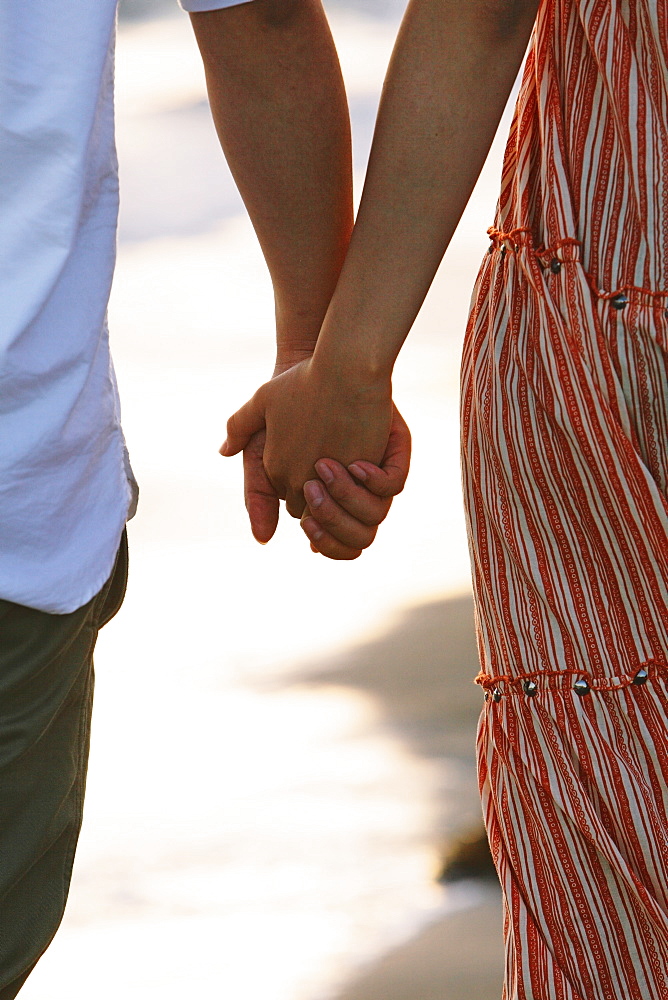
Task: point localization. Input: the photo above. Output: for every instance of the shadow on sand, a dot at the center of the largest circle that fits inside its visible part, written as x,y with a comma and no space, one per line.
421,675
422,672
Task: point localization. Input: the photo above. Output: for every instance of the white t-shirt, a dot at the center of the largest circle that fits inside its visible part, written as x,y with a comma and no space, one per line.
66,488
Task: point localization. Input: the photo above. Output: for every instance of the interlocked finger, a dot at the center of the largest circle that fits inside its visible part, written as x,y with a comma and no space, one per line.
354,498
326,544
294,504
331,516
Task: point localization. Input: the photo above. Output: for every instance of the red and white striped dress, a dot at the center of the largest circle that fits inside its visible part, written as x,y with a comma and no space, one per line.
565,466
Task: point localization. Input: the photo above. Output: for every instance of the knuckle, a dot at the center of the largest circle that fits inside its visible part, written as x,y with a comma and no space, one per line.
276,484
255,447
377,484
326,515
343,493
358,537
388,491
254,493
371,511
373,518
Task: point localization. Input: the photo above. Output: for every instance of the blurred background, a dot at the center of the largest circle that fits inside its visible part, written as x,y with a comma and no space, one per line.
283,748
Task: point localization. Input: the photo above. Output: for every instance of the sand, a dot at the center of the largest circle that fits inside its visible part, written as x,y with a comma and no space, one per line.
421,675
458,958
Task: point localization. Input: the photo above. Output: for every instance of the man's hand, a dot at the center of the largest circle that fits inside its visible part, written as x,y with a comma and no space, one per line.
345,520
262,500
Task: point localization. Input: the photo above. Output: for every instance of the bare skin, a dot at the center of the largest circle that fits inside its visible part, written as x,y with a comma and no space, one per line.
448,82
345,507
279,106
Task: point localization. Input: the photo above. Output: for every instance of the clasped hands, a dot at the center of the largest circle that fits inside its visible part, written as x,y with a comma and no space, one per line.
332,445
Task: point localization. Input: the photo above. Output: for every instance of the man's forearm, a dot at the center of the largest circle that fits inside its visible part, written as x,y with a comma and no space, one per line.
280,110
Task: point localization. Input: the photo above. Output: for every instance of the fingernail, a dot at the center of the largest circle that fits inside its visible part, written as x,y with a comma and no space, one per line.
357,471
312,528
324,471
223,448
313,493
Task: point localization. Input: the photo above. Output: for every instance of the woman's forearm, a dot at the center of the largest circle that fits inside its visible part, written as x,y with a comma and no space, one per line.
449,78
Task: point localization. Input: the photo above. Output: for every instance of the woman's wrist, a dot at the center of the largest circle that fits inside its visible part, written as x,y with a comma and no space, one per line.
352,367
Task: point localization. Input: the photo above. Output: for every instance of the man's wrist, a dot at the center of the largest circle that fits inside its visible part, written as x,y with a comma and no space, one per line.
297,331
287,360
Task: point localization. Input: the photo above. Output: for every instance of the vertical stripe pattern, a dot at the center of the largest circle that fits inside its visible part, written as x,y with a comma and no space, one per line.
565,470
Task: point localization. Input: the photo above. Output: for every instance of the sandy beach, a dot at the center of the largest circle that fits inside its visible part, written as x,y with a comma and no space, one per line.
420,674
345,830
283,747
457,958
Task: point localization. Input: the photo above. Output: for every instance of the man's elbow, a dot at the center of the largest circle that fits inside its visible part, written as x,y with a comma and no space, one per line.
506,17
279,13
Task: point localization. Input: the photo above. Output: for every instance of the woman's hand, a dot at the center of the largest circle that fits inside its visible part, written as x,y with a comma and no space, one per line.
346,506
309,414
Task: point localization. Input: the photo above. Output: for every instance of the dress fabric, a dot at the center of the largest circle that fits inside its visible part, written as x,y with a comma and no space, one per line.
565,469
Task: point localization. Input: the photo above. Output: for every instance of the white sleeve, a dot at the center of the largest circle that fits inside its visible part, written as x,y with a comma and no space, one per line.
194,5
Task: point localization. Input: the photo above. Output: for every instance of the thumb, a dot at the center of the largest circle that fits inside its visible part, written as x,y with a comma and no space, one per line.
243,424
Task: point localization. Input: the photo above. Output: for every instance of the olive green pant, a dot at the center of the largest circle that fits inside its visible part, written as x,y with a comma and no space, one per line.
46,694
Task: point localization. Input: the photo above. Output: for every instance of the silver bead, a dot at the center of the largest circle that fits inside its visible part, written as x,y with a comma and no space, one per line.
555,265
496,694
530,688
641,676
486,695
581,687
619,301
